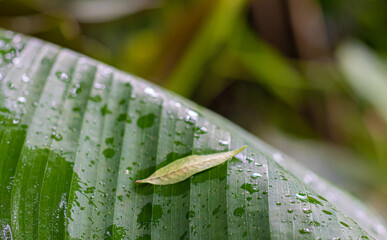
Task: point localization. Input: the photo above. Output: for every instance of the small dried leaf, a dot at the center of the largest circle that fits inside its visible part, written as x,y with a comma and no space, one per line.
184,168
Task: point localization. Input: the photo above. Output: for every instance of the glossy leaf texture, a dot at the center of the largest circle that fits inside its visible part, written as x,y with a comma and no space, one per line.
75,135
184,168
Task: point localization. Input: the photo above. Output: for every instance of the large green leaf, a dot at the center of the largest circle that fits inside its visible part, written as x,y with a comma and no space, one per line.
75,135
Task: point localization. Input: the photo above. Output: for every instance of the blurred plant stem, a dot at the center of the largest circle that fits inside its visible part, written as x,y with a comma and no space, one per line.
213,34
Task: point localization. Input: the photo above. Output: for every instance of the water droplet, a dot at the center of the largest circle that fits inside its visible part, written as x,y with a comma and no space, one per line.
201,130
327,212
344,224
57,136
256,175
302,197
99,86
146,121
62,76
239,212
96,98
306,210
191,117
16,61
25,78
192,113
278,203
223,143
249,187
109,152
290,210
11,86
21,100
53,105
76,90
151,92
305,231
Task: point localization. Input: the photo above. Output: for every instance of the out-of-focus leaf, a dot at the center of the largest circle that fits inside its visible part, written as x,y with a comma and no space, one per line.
267,66
212,36
94,11
75,134
88,11
365,73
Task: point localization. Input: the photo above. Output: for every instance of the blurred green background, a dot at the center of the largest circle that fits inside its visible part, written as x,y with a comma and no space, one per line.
307,76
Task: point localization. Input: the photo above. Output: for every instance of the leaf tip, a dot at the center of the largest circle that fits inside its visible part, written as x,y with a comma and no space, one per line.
139,181
240,149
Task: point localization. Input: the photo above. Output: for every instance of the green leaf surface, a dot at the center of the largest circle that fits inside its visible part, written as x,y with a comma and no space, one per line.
184,168
75,134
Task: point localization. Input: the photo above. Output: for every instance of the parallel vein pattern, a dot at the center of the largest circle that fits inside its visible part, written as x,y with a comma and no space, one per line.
75,135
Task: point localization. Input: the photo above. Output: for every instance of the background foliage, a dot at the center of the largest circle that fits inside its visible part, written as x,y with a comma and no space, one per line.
307,76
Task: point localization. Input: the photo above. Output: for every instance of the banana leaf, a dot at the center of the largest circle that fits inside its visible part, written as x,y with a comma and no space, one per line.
75,135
